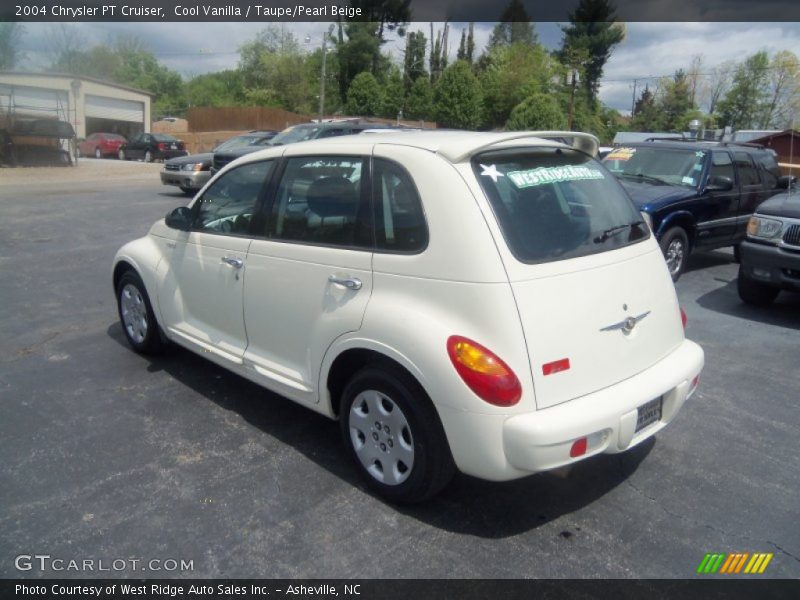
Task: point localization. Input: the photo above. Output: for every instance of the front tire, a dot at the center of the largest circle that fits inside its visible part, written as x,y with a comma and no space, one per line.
186,190
394,434
136,315
754,292
675,247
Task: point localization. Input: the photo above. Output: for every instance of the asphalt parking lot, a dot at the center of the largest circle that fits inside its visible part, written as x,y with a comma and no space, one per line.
105,454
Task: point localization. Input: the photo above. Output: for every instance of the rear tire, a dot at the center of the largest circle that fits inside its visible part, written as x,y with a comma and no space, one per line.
186,190
121,154
394,435
136,315
755,292
97,153
148,156
675,247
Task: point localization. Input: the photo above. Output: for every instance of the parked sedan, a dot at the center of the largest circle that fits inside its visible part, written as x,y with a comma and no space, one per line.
101,144
152,146
190,173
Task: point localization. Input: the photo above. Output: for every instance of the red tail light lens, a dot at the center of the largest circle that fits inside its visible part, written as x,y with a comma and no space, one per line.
162,146
684,318
484,372
579,447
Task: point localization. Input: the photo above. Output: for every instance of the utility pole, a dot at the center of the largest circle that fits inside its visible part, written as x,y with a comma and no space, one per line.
633,102
325,37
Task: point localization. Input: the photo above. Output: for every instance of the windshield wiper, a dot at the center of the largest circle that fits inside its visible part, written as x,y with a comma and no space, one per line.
612,231
642,176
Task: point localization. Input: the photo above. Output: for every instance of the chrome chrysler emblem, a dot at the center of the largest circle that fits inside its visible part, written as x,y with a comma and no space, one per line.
626,325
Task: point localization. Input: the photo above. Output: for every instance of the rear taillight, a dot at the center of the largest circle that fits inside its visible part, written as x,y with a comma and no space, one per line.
484,372
684,318
162,146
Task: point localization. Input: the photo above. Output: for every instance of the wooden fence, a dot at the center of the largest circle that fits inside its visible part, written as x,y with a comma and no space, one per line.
241,118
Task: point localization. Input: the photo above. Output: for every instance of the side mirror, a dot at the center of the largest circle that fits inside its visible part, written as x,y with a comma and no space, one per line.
786,182
719,183
180,218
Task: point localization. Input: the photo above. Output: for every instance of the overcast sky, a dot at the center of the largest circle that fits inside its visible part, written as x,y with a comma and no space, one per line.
649,50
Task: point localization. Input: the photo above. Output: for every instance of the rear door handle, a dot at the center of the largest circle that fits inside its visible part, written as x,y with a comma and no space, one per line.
236,263
352,283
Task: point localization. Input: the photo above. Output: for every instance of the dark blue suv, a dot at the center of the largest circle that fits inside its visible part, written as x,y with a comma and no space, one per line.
699,195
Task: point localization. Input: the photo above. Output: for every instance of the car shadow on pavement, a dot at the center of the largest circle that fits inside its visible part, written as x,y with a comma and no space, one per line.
468,505
784,312
706,260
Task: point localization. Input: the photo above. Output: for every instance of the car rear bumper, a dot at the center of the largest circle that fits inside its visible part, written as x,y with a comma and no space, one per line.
187,179
772,265
502,447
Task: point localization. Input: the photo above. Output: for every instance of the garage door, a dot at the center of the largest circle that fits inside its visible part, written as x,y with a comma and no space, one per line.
101,107
31,100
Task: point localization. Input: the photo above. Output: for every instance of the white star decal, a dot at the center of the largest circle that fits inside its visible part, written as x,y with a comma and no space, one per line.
699,154
491,171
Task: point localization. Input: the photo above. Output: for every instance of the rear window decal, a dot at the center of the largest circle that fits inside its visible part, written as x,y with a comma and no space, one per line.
543,175
491,171
621,154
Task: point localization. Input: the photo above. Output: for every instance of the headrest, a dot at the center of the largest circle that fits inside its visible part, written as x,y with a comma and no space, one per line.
332,197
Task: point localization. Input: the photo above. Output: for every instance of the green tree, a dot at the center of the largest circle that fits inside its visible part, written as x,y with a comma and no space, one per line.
10,35
675,104
393,94
593,32
419,102
538,111
414,60
457,97
783,91
743,104
646,116
514,27
223,88
364,97
512,73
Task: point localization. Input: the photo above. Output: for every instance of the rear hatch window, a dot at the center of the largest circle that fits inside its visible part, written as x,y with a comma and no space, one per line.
556,203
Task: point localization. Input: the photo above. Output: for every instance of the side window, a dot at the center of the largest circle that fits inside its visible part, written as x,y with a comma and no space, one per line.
770,171
399,221
228,205
747,170
319,201
331,133
721,166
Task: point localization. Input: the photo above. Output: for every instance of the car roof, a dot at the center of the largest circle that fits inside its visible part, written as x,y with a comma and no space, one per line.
455,146
694,145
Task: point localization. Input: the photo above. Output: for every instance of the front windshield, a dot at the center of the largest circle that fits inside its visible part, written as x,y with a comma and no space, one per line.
673,166
160,137
555,203
298,133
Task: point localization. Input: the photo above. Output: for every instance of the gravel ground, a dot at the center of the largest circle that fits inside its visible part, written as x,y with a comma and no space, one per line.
86,170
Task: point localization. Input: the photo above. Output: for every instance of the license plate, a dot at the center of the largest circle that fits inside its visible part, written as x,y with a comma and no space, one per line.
648,414
174,146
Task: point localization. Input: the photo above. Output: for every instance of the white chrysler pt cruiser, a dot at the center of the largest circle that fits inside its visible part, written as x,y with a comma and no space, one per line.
491,302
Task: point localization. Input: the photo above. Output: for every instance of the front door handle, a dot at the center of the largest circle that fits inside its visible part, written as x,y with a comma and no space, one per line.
352,283
236,263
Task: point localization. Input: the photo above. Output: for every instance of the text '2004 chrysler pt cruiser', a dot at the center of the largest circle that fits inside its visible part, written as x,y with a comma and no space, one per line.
487,302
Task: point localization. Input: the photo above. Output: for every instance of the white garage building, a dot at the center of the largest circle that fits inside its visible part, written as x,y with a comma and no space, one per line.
90,105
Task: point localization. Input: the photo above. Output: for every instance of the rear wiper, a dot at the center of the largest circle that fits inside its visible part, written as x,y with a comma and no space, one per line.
645,177
611,231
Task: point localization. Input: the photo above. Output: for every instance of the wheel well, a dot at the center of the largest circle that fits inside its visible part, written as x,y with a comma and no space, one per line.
120,270
347,364
685,223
